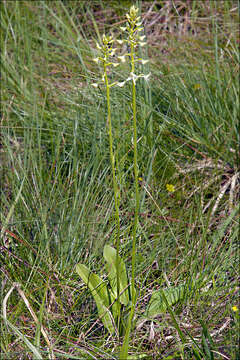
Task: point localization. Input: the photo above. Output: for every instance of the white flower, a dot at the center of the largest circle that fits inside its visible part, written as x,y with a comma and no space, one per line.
133,77
141,38
98,46
146,77
122,58
123,28
115,64
94,85
113,51
142,43
144,61
96,60
121,84
120,42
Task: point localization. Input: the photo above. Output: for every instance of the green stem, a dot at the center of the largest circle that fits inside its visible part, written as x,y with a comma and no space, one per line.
115,188
125,346
136,178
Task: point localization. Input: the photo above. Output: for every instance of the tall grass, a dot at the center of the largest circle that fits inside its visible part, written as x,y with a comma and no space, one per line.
56,183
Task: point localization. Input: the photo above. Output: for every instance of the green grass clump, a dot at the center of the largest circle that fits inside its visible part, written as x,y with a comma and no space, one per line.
57,199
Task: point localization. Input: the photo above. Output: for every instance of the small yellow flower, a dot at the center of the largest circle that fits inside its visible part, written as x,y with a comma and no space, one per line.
234,308
197,86
170,187
140,179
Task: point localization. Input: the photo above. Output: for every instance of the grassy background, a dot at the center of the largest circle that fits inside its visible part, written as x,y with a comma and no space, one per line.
57,197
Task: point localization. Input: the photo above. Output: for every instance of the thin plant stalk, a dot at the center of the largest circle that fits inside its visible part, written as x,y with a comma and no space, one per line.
106,52
125,346
133,28
115,187
137,200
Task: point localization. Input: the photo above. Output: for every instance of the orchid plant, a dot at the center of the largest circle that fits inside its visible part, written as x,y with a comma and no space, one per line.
134,39
116,298
106,59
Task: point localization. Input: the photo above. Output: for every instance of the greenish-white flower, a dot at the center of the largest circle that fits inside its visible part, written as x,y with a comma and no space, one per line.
121,84
133,11
122,58
133,77
146,77
113,52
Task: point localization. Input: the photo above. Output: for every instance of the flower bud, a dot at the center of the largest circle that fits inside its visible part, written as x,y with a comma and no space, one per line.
133,12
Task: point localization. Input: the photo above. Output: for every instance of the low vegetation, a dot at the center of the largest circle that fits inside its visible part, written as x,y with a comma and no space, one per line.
123,243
